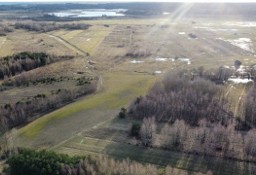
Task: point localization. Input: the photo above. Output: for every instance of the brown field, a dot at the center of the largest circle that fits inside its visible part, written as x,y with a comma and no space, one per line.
88,126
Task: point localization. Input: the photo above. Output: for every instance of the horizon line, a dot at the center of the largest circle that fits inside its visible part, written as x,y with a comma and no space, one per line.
129,1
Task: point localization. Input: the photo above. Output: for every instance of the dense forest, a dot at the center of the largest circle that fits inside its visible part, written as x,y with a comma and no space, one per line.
177,97
25,61
4,29
191,114
207,138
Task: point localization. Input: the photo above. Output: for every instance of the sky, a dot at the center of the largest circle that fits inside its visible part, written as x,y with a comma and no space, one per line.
233,1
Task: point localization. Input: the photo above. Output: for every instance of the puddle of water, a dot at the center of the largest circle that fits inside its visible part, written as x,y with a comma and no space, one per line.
241,24
136,61
158,72
243,43
185,60
242,69
200,27
78,13
223,30
215,29
182,33
161,59
239,80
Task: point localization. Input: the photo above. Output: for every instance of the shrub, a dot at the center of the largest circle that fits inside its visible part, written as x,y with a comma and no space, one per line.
135,130
123,113
32,162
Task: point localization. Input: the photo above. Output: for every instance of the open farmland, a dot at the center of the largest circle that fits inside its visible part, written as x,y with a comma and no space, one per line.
126,57
20,40
89,111
85,40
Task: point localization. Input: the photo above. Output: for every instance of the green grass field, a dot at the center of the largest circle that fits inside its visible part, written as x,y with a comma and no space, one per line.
86,40
118,90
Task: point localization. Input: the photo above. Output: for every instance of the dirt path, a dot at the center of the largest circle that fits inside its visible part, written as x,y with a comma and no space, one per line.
238,104
229,89
68,44
100,83
77,50
2,43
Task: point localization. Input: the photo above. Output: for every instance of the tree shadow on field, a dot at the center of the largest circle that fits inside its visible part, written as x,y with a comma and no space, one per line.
190,162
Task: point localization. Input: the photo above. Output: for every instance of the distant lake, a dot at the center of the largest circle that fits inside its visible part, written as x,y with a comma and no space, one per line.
90,13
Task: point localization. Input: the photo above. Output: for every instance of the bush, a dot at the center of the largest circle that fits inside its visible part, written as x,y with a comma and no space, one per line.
30,162
135,130
123,113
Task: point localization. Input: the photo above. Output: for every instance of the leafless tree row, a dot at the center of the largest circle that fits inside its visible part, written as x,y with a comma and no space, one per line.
4,29
24,111
207,138
47,27
105,165
25,61
250,107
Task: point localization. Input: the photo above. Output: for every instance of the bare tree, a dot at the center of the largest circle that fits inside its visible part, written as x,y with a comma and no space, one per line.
147,130
174,136
7,146
250,143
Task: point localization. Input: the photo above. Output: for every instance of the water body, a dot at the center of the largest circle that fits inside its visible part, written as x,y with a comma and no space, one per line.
89,13
136,62
187,60
243,43
240,80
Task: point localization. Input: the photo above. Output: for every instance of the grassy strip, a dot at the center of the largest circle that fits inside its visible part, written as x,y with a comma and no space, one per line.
118,90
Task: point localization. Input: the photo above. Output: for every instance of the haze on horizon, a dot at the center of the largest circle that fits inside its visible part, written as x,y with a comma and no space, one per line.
187,1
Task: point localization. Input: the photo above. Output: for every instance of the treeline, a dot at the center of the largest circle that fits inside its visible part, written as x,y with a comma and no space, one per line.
30,78
189,112
27,110
250,107
208,138
138,53
218,76
32,162
47,27
4,29
179,97
25,61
